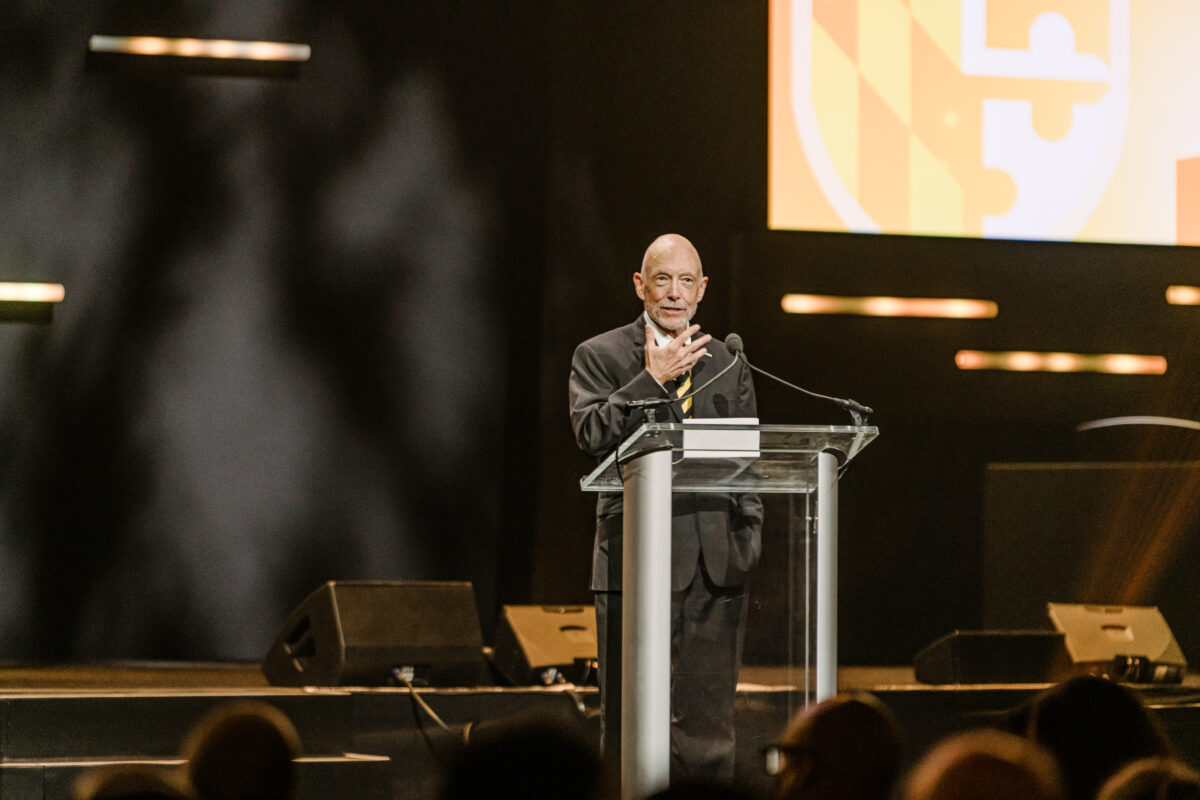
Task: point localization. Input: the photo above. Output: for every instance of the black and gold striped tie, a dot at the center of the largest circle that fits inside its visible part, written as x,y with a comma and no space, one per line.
683,385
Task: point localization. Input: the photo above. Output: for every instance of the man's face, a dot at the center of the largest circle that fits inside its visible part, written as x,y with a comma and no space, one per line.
671,289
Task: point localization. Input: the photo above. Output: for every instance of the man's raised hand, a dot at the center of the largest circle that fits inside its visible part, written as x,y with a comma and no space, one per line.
676,356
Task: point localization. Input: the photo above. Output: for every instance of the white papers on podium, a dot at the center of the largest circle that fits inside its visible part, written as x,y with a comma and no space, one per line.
701,442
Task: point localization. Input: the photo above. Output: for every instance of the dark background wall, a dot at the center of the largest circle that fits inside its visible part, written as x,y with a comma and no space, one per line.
320,328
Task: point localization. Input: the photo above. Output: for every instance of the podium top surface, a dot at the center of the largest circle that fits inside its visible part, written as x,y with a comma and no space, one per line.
709,456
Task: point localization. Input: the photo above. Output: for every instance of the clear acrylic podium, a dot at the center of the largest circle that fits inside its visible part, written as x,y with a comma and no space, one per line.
661,458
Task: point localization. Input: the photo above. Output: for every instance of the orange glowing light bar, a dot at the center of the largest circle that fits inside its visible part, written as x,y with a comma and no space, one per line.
1183,295
32,292
926,307
1027,361
200,48
1138,419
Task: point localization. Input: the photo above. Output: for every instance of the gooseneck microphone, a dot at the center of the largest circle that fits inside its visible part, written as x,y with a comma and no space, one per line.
653,403
857,411
734,343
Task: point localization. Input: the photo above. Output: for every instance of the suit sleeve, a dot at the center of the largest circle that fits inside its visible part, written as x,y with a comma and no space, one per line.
599,399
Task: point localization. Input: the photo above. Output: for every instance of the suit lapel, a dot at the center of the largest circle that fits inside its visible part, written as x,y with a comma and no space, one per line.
638,335
701,369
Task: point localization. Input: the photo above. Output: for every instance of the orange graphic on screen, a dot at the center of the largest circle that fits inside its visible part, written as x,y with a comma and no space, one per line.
999,119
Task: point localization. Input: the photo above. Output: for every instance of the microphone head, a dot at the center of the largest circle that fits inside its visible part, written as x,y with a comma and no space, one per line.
734,343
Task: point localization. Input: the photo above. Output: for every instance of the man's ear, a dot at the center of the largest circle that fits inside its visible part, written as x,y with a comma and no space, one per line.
703,284
638,287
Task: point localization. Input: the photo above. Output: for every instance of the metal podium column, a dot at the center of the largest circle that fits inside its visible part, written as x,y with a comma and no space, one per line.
646,624
827,547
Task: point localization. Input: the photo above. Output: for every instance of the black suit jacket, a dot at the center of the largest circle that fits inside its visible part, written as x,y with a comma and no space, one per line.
608,371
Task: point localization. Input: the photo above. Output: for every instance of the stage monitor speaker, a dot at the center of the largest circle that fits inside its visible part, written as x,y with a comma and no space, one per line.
543,645
994,657
369,633
1133,644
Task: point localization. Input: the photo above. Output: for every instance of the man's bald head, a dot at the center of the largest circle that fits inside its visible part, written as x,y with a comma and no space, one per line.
669,247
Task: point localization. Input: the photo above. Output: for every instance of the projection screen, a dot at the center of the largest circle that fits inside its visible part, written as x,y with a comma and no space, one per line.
1069,120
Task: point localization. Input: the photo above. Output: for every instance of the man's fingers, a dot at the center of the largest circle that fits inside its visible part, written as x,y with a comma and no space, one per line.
690,331
692,359
681,355
696,344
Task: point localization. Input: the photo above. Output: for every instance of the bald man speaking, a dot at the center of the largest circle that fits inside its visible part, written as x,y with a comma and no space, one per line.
715,538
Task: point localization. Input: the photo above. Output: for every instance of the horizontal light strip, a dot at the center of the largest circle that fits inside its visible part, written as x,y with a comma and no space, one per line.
32,292
930,307
1183,295
1113,422
200,48
1026,361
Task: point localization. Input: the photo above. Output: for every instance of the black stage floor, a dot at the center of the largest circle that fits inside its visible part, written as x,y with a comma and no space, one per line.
56,722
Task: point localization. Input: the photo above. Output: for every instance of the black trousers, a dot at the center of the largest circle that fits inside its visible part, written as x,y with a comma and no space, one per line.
708,623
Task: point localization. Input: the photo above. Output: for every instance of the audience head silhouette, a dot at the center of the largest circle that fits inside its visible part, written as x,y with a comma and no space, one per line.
243,751
1093,727
1153,779
985,765
844,747
534,758
131,782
